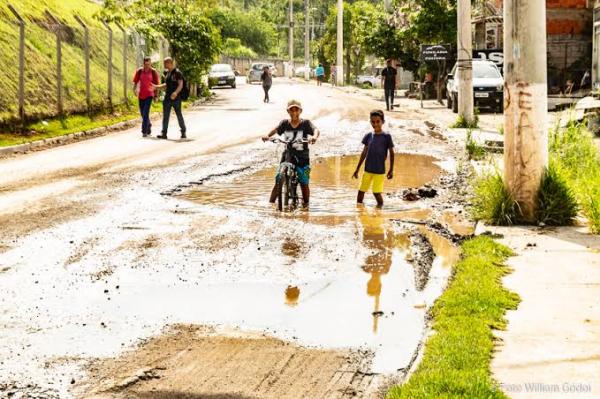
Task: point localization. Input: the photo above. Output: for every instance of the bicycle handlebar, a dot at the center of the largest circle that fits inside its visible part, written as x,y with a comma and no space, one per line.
299,141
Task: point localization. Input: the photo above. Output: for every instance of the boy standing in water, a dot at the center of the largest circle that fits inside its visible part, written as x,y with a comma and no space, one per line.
376,147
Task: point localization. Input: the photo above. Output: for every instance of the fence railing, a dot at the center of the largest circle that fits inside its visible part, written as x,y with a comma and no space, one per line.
67,67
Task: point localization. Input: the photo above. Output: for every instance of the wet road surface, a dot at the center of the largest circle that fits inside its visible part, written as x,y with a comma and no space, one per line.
95,261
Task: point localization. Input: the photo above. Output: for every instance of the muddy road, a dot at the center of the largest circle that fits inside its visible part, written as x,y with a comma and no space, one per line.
138,268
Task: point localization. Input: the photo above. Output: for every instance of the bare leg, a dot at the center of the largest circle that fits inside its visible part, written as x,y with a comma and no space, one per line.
305,194
360,197
379,199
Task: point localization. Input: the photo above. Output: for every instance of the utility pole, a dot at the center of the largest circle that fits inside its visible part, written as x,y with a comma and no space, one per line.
465,61
526,101
339,68
291,39
306,41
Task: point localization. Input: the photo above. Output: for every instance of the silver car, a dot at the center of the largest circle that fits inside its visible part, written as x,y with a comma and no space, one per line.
221,75
256,71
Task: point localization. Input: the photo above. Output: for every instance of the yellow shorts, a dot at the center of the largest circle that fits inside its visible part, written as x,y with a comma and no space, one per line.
372,179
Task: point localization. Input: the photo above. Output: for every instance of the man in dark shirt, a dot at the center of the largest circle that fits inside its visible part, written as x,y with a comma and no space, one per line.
388,79
174,85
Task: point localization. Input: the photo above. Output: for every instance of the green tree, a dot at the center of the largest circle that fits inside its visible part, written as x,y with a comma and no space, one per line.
194,40
253,30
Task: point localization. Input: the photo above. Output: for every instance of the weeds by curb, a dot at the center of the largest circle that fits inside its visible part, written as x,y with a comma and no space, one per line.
456,361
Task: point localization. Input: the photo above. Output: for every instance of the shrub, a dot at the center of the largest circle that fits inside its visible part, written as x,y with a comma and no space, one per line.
493,202
474,150
557,205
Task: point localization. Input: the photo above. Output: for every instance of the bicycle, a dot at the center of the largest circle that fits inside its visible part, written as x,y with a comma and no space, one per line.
287,189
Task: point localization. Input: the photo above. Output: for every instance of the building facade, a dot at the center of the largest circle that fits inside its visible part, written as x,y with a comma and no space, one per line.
570,26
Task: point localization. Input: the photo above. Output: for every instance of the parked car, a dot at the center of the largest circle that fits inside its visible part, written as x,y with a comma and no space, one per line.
221,75
299,72
488,86
368,80
256,71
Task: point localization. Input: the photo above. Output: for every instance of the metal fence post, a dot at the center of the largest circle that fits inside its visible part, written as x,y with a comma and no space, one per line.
110,59
21,94
57,28
86,36
125,77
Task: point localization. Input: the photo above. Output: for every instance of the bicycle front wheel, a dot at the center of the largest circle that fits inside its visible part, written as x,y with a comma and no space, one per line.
281,188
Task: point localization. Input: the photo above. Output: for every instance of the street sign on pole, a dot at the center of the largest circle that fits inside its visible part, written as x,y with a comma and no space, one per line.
436,52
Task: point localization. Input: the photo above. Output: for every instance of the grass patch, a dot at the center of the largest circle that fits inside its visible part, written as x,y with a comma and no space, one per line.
493,202
76,123
474,150
557,205
456,363
463,123
573,151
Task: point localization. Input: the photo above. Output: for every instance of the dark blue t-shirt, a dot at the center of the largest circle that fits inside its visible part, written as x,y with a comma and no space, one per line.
379,144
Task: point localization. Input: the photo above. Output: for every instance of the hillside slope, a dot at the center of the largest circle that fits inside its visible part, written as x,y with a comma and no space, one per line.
40,58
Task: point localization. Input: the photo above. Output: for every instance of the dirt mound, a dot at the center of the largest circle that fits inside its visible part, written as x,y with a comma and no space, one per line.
194,362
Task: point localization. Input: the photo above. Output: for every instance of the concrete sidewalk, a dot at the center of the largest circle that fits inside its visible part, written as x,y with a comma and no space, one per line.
551,348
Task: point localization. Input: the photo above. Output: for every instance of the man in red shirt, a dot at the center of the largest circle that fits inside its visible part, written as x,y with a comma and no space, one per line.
143,80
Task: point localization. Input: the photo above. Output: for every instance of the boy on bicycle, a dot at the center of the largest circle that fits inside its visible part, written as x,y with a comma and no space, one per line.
296,129
376,147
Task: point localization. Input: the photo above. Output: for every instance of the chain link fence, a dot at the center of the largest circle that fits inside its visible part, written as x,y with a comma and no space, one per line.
70,64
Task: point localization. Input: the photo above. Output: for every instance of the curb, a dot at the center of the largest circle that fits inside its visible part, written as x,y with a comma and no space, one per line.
83,135
66,139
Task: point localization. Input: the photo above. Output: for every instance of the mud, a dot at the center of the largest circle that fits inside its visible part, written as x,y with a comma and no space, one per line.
101,268
191,361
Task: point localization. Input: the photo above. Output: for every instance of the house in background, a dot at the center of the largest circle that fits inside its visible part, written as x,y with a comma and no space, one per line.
569,26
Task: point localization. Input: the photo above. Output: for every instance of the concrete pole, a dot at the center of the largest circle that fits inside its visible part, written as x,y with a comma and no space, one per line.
86,52
21,93
339,68
525,101
306,41
465,61
110,66
59,96
125,77
291,40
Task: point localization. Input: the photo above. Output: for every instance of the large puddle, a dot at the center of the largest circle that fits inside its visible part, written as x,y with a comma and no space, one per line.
372,300
333,190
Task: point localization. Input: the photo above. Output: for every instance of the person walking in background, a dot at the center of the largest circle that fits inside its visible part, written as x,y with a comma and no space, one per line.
174,85
320,73
143,82
267,81
388,80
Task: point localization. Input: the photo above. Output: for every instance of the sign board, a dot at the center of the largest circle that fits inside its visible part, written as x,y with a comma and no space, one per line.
494,55
435,52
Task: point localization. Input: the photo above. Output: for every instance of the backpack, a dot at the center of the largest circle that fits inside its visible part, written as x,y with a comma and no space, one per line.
185,91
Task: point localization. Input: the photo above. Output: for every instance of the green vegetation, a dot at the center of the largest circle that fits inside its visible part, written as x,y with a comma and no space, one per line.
77,123
557,205
235,48
40,59
463,123
474,150
493,202
194,41
577,160
456,362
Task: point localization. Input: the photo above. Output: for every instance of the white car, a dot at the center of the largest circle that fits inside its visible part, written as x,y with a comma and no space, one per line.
368,80
299,72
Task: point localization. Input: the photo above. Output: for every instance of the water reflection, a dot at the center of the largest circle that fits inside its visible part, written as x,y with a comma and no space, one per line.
292,295
378,238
